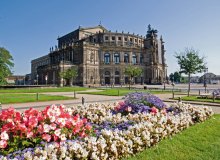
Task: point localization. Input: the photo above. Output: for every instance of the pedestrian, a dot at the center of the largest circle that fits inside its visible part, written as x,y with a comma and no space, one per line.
83,100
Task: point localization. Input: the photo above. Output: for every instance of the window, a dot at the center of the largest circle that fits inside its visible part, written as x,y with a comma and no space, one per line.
131,39
107,73
135,40
116,58
107,58
141,58
117,73
126,58
113,38
126,39
134,58
106,38
119,38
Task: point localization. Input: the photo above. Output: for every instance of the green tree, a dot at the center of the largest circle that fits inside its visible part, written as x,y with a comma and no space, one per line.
132,71
70,74
190,63
6,64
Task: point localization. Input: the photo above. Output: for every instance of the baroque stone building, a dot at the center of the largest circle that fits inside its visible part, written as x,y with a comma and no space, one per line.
101,57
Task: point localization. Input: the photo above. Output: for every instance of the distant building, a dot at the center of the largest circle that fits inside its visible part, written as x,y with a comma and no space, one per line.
101,57
15,80
210,78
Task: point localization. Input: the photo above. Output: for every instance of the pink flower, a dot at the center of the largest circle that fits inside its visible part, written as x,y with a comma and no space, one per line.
3,144
128,109
88,127
46,137
30,134
4,135
121,103
53,126
154,110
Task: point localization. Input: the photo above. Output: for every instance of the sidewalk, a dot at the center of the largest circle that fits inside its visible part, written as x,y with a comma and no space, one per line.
93,99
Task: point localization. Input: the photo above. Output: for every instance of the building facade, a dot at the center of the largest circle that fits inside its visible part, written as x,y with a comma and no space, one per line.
101,57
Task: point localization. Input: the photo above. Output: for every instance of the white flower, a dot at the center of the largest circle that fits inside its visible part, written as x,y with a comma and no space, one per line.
4,136
46,128
57,132
63,137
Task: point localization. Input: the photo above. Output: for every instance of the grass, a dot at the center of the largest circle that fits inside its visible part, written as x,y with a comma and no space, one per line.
123,91
199,142
42,90
8,98
194,98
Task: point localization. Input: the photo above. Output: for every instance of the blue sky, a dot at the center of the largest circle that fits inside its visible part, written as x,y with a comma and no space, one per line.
29,28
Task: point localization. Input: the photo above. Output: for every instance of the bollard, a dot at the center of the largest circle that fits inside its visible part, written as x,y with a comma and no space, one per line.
37,96
74,94
213,97
199,92
83,100
179,99
173,94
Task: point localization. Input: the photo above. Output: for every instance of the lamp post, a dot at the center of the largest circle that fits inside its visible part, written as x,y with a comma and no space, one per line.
46,77
164,85
37,78
205,83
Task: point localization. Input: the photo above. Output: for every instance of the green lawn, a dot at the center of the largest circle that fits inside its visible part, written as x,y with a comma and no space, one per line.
194,98
123,91
199,142
8,98
41,90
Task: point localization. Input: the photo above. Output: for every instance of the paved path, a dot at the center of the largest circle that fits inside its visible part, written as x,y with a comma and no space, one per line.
92,99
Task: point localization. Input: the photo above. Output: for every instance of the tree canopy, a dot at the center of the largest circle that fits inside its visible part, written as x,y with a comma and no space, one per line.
6,64
70,74
190,63
132,71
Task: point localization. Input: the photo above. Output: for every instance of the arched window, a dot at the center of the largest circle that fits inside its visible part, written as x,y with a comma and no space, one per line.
116,58
117,73
107,58
107,73
134,58
126,58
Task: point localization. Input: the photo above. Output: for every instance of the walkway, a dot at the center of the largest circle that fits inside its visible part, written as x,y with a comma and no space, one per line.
93,99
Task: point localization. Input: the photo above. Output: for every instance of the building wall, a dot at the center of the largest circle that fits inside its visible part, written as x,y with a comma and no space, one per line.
101,58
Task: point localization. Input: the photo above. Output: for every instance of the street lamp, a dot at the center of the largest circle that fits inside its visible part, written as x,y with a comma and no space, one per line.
205,83
46,77
37,78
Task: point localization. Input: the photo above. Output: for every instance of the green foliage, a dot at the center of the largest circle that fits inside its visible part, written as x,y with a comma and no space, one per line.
6,65
190,63
176,77
132,71
70,74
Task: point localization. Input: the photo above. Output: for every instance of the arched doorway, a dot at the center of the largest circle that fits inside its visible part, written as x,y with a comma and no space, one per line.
117,77
107,77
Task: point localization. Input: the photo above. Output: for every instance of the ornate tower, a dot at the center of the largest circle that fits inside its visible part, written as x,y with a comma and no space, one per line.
155,60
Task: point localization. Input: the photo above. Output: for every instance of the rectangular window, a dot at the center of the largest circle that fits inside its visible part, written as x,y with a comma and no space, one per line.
106,38
135,40
113,38
126,39
119,38
131,39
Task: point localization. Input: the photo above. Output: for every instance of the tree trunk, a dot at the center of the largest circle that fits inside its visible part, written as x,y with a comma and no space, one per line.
129,83
188,84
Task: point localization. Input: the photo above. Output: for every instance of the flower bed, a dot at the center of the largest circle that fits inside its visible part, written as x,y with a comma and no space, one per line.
96,131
